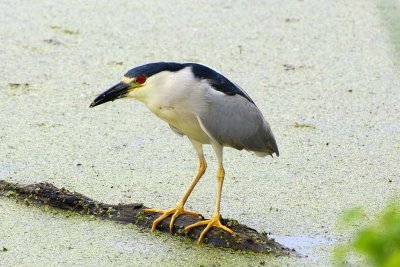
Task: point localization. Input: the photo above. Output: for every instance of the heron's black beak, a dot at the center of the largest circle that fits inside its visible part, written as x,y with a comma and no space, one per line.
117,91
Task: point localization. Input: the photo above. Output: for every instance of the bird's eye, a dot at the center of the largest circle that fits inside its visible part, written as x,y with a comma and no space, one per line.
141,78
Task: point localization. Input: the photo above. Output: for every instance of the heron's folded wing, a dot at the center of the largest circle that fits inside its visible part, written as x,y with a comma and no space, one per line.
234,121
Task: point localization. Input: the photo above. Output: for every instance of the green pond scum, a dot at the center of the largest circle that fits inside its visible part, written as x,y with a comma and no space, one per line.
390,14
324,73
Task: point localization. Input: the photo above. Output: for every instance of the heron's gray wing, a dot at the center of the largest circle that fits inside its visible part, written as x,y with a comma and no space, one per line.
234,121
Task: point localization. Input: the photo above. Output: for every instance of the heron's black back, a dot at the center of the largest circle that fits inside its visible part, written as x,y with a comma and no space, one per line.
217,80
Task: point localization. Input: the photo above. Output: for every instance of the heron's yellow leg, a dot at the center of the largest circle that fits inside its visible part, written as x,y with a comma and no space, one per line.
178,210
215,220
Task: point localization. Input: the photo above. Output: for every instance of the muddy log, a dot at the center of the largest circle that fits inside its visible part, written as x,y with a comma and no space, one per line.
244,239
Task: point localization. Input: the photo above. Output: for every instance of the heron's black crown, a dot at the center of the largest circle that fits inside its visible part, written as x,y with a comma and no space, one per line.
216,80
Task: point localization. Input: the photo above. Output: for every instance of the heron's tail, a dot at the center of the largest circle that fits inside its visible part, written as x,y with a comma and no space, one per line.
271,144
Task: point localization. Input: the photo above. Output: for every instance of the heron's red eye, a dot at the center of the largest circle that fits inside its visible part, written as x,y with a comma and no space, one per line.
141,79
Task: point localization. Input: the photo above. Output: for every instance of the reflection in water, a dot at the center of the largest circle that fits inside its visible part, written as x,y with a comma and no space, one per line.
305,245
4,170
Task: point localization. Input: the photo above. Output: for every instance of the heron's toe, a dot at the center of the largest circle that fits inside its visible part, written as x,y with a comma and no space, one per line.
175,212
215,221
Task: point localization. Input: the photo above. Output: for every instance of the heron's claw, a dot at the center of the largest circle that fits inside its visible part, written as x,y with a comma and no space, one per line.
175,212
215,221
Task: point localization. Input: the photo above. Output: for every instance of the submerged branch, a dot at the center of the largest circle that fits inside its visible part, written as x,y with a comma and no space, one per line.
245,238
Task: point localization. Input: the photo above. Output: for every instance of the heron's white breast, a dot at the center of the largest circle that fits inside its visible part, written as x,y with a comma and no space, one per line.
177,98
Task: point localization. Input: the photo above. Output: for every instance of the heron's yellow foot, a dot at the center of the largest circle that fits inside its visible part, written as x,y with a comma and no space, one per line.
175,212
215,221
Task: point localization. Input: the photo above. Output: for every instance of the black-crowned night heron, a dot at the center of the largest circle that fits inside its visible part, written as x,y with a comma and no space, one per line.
202,104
